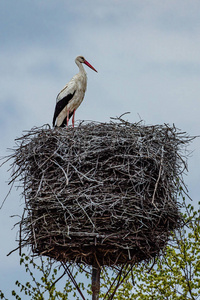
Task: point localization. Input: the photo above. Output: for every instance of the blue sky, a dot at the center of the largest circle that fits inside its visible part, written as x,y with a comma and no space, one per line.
147,54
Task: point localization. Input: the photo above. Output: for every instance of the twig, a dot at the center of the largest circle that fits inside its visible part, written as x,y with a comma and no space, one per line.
90,190
159,174
73,279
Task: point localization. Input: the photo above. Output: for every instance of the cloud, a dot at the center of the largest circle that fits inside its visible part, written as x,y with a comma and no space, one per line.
147,57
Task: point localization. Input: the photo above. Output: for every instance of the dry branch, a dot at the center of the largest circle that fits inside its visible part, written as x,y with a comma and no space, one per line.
102,193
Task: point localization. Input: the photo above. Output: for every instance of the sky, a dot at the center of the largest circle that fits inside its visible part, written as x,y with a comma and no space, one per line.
147,54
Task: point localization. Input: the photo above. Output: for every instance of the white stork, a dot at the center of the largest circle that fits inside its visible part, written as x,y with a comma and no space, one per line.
71,96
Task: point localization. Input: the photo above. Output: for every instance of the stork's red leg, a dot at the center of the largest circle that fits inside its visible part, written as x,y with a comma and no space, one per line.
73,117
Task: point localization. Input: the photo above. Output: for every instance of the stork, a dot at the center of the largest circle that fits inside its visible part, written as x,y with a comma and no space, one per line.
71,96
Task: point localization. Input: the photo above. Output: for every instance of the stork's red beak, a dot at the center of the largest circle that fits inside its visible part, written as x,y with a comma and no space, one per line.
89,65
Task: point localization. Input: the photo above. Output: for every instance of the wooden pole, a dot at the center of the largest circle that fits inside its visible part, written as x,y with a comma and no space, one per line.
96,270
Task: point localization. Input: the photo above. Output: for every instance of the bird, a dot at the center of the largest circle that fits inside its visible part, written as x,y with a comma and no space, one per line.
71,96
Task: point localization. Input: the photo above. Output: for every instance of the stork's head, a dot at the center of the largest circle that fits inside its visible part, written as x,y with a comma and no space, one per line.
82,60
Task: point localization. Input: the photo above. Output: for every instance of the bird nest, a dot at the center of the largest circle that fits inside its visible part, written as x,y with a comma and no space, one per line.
104,192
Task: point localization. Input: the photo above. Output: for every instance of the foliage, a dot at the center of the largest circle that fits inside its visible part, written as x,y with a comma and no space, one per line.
43,288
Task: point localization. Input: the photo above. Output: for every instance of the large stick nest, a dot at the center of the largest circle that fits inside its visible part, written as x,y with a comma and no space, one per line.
100,191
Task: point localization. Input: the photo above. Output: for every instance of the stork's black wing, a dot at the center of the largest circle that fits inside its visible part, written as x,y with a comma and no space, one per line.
60,105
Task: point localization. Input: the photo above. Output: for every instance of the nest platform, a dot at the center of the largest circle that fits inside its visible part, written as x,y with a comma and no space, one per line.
101,193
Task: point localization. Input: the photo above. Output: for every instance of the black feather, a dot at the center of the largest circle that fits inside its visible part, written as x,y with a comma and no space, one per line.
60,105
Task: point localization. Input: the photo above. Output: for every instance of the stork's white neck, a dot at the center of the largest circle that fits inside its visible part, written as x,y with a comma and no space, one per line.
81,68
